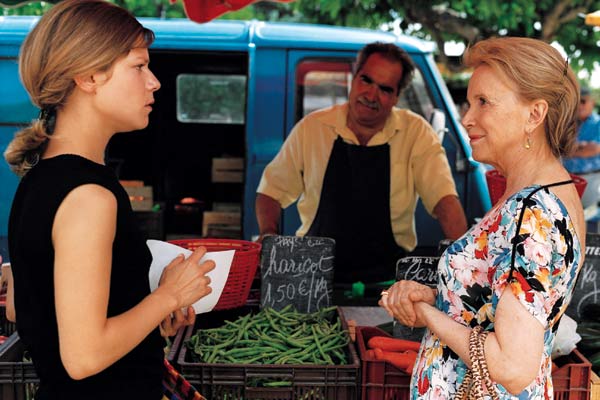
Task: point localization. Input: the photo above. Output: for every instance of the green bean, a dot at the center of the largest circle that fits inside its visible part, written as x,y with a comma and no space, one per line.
277,384
271,336
325,355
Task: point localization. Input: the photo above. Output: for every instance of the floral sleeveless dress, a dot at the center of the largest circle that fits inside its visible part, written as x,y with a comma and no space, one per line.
475,269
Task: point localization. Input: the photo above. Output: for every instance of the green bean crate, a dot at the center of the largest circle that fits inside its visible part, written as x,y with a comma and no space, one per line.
273,354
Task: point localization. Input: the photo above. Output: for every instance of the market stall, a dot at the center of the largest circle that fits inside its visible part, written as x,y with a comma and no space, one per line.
241,350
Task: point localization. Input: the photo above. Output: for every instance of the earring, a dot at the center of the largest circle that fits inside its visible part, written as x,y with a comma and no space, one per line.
527,144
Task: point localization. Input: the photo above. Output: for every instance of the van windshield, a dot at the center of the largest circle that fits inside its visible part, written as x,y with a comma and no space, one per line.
323,83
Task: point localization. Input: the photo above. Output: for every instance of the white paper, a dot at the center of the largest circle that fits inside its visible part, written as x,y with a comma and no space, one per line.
163,253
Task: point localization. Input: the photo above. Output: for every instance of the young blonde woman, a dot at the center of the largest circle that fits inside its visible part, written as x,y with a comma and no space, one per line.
83,306
513,273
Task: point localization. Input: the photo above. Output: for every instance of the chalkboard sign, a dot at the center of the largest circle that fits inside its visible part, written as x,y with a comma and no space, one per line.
419,269
587,289
297,271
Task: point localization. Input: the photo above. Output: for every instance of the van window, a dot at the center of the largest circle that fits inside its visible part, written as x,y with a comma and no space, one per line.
323,83
416,97
211,98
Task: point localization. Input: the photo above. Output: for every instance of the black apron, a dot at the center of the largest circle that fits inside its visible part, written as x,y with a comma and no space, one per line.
354,209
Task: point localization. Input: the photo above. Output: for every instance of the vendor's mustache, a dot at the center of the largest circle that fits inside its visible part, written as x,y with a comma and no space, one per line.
366,102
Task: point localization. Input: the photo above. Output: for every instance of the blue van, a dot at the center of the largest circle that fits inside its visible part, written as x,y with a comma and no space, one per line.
231,92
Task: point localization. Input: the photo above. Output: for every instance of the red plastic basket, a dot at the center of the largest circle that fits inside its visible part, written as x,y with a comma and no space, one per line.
572,378
497,184
380,379
243,267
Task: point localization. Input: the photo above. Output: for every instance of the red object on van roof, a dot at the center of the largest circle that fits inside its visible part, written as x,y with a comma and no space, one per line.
206,10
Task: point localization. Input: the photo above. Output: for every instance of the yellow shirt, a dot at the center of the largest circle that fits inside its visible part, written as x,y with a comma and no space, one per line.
418,167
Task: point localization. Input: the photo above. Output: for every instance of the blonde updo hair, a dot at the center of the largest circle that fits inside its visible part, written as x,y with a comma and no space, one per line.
538,71
75,37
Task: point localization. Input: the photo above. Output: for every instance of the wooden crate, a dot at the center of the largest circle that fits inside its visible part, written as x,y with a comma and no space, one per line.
127,183
141,197
228,170
595,384
220,219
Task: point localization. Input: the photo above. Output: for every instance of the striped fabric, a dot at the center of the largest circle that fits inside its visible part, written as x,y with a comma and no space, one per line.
176,387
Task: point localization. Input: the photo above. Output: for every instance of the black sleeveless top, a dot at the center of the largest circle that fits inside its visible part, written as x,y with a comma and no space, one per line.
40,193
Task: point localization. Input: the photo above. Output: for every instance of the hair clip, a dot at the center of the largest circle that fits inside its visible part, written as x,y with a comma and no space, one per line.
562,81
33,159
48,117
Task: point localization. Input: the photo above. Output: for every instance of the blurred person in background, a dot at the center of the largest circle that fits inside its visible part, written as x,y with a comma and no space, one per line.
585,159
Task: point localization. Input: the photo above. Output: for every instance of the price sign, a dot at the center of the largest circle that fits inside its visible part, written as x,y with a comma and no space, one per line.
298,271
587,288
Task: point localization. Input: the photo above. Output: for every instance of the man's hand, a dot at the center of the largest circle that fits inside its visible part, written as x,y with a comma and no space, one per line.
451,216
586,149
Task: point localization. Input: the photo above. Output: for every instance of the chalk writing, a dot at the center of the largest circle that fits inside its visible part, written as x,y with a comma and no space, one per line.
419,269
296,267
587,289
297,271
592,251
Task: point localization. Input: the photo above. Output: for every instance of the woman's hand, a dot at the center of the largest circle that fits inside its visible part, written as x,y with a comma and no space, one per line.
401,298
178,319
185,280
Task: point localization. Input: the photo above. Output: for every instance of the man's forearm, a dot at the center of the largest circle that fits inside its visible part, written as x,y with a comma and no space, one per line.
268,214
586,149
451,217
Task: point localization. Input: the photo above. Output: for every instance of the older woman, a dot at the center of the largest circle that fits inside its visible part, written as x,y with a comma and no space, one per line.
504,285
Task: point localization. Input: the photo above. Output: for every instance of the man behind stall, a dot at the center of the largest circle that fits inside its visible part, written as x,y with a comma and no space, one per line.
357,170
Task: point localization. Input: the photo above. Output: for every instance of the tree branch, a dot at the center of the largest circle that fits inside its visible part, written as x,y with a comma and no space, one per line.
437,22
441,21
571,15
562,13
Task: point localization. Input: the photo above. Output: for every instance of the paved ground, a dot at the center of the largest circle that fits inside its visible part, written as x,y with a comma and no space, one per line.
367,316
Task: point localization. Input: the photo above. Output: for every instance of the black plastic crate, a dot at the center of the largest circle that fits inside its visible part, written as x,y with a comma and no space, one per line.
18,380
172,352
152,223
234,381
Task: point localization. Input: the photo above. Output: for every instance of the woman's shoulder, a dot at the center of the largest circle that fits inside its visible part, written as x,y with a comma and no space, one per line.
540,208
59,175
73,165
536,216
538,197
68,161
537,203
